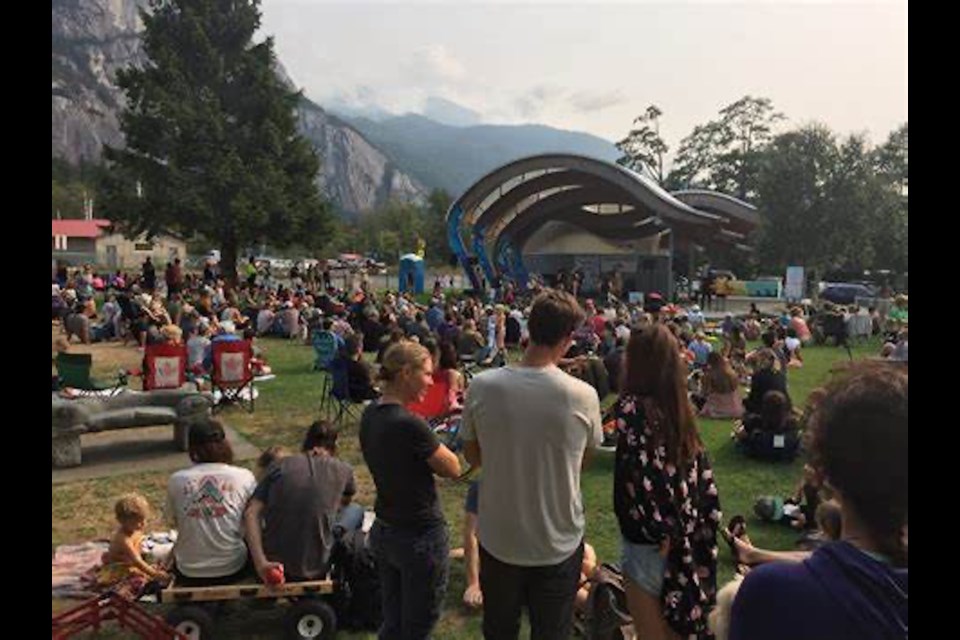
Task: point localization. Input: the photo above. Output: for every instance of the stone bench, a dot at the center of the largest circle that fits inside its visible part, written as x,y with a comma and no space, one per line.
126,410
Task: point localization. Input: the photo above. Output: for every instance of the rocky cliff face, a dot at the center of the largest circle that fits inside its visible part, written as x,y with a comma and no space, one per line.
356,174
93,39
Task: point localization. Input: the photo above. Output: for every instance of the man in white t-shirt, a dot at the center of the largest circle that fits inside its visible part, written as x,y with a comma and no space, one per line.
530,425
206,502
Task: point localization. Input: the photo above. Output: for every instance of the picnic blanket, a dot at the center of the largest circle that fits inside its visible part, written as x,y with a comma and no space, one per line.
70,563
75,566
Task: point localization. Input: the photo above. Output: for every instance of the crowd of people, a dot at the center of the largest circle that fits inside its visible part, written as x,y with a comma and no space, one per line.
530,427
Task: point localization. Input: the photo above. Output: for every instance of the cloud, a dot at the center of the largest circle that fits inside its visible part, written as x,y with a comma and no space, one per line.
434,62
532,103
590,101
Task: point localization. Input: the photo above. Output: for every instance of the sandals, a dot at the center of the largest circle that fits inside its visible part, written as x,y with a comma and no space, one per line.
735,528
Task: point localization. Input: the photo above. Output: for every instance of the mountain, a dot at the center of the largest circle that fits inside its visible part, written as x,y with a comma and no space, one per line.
356,175
453,158
92,39
449,113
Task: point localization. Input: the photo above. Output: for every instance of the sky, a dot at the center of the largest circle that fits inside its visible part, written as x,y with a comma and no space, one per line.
594,66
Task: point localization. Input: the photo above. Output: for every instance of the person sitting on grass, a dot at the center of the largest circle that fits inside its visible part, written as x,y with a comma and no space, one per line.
768,375
856,587
469,342
746,556
791,348
701,349
799,325
773,434
735,347
123,568
721,389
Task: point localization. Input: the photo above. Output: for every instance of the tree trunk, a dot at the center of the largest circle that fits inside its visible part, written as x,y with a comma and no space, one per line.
228,262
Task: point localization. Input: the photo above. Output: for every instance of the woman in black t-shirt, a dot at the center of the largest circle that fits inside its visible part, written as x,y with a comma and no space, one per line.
409,538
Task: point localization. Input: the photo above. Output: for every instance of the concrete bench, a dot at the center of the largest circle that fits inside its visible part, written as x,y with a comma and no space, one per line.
129,409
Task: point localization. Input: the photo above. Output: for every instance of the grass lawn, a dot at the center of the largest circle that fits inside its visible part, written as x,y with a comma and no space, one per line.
83,510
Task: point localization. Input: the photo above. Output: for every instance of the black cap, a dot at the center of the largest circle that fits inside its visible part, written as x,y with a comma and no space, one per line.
205,431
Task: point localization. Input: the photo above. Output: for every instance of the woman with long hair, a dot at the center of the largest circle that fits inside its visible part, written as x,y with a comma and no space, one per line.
721,388
664,494
409,537
855,587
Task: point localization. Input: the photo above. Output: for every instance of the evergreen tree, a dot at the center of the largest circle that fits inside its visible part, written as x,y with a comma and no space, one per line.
211,139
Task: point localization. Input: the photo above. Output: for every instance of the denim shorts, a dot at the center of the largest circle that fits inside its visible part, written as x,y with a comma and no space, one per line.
644,565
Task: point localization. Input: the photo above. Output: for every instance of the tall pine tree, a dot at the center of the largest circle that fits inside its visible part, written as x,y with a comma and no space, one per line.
211,139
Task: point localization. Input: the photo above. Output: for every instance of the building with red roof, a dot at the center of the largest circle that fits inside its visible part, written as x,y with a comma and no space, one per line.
97,241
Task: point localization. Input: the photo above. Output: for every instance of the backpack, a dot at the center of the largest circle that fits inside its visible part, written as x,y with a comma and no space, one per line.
606,616
356,583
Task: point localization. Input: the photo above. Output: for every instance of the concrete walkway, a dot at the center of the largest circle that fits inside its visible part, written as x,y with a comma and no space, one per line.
139,450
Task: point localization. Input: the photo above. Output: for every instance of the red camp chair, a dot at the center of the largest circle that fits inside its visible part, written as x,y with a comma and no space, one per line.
232,373
164,366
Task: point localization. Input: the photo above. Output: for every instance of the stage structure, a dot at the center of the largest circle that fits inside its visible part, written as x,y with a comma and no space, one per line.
554,212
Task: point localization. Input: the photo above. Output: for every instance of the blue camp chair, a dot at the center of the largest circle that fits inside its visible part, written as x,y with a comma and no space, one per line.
337,399
325,347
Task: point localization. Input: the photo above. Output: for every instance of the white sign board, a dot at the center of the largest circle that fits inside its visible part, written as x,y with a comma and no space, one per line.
794,287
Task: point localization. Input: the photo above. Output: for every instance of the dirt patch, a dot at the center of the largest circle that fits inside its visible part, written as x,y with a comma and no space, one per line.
108,357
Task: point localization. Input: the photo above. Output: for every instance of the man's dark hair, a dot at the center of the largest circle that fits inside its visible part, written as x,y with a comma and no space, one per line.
323,434
769,338
208,443
554,316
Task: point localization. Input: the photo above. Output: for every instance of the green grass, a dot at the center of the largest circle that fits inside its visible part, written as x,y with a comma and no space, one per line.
83,510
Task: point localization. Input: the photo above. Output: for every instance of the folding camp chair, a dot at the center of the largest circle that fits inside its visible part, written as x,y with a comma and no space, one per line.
325,351
73,371
337,400
232,373
165,366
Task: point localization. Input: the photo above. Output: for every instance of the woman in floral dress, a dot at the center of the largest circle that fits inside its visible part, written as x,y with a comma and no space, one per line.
664,495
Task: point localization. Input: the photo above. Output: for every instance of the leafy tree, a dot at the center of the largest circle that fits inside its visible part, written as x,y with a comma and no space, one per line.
72,186
745,126
434,230
696,159
211,140
643,148
891,158
826,206
792,182
724,154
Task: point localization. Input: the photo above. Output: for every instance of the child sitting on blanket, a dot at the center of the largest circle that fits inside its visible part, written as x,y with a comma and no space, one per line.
123,568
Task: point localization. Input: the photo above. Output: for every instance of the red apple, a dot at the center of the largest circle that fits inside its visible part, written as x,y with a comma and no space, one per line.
274,575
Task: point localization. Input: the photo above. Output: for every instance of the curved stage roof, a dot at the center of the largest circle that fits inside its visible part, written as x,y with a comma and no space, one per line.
502,210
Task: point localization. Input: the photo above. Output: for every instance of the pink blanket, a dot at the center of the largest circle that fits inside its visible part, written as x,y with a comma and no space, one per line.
70,562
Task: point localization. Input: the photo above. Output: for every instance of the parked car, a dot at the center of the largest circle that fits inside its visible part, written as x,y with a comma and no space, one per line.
845,292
